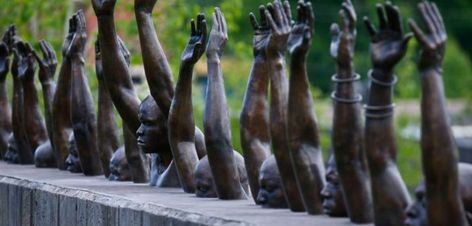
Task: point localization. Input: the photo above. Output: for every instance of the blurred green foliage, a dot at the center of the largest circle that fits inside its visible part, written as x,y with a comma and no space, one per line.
36,19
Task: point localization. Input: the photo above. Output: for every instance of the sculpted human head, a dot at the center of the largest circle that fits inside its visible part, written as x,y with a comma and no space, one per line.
333,199
44,156
270,194
119,168
416,212
11,156
152,134
203,179
73,161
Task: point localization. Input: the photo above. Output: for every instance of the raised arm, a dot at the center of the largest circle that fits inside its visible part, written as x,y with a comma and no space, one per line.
388,46
156,66
347,137
116,72
19,67
181,124
216,117
439,151
254,119
61,124
107,129
33,120
5,121
47,69
82,109
276,45
302,126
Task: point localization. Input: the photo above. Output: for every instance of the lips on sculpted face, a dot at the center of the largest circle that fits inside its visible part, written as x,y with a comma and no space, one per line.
119,168
152,134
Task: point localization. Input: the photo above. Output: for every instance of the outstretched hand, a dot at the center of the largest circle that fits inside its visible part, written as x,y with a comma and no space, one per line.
434,42
103,7
47,65
5,51
261,32
197,43
24,62
343,41
299,41
144,5
79,37
218,35
389,44
279,20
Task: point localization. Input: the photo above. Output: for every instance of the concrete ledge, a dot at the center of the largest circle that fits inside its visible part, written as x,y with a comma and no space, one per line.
31,196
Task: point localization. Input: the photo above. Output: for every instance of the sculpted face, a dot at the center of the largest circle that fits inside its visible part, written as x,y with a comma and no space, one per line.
205,187
152,134
333,200
203,179
11,156
44,156
270,194
72,161
416,212
119,168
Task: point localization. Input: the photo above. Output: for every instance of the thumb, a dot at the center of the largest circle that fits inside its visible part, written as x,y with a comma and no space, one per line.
406,40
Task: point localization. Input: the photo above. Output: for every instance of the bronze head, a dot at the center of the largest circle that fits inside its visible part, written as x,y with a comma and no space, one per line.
203,179
11,156
44,156
333,199
119,168
73,161
271,194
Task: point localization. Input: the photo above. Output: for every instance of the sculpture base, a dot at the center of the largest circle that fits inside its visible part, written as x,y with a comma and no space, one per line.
32,196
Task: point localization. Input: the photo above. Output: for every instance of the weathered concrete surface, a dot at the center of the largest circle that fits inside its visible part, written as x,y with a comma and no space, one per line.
31,196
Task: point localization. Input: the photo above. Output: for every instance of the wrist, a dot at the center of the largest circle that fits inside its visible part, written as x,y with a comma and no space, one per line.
431,69
142,11
345,72
382,73
274,54
77,58
213,57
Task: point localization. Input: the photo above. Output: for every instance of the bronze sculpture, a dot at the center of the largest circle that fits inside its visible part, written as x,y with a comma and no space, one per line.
22,61
303,135
119,168
117,78
271,194
181,124
72,161
333,197
254,118
107,129
388,46
11,156
82,110
44,155
204,182
216,116
6,46
61,124
275,45
439,150
347,137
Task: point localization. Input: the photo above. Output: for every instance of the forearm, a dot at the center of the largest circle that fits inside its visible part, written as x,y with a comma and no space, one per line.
5,111
25,153
116,74
156,66
254,123
438,149
106,123
218,135
301,118
49,88
182,130
83,120
35,127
